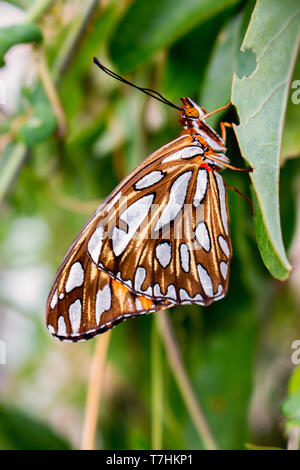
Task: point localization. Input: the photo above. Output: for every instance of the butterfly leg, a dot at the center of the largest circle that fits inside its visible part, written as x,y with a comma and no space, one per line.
223,126
243,195
227,165
216,110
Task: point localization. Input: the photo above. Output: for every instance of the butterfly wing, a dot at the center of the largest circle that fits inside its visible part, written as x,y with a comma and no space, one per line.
85,301
169,238
132,256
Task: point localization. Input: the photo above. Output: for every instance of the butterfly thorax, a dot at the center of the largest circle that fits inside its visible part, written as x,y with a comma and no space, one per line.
212,145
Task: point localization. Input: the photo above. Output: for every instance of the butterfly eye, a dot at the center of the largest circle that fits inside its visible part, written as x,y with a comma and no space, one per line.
191,113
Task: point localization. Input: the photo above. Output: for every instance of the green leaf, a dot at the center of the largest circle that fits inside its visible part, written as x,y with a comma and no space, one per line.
260,96
294,382
149,26
18,34
291,135
291,407
181,61
42,121
21,431
215,92
268,254
289,174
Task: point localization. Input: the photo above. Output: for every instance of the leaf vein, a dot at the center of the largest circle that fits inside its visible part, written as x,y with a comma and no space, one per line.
278,34
272,92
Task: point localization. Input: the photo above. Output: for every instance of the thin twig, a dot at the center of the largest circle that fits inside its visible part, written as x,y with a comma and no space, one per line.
39,8
156,387
185,387
77,30
51,93
94,392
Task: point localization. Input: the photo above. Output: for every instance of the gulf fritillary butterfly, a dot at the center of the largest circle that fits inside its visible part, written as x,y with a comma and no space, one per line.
135,255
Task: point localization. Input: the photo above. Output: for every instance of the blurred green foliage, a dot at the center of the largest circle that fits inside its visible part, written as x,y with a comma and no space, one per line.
71,135
18,34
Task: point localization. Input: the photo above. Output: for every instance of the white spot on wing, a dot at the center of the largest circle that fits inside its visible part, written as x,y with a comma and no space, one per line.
76,277
187,299
220,293
54,300
201,186
173,156
224,269
176,200
138,304
133,216
222,197
192,151
156,290
51,329
62,328
205,280
103,301
75,315
224,245
95,243
149,179
140,276
128,283
202,236
163,253
184,257
171,292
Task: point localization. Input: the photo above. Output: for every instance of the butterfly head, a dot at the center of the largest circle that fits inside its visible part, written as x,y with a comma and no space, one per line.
193,119
191,111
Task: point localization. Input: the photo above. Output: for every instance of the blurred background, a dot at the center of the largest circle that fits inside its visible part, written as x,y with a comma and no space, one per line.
68,135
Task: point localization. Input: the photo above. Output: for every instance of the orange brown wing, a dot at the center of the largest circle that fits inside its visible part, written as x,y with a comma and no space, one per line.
85,301
168,238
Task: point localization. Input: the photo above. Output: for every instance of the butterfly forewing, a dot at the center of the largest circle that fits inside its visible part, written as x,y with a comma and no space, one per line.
171,239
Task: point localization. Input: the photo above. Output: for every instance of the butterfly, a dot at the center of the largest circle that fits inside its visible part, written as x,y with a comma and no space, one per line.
160,239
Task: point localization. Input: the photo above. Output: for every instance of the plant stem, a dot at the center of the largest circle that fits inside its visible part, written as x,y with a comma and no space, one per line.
185,387
51,92
94,392
157,387
37,10
69,46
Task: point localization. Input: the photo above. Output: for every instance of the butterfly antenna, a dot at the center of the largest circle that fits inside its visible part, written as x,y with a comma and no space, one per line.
147,91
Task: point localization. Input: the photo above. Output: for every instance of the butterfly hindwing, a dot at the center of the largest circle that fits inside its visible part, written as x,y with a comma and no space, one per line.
85,301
